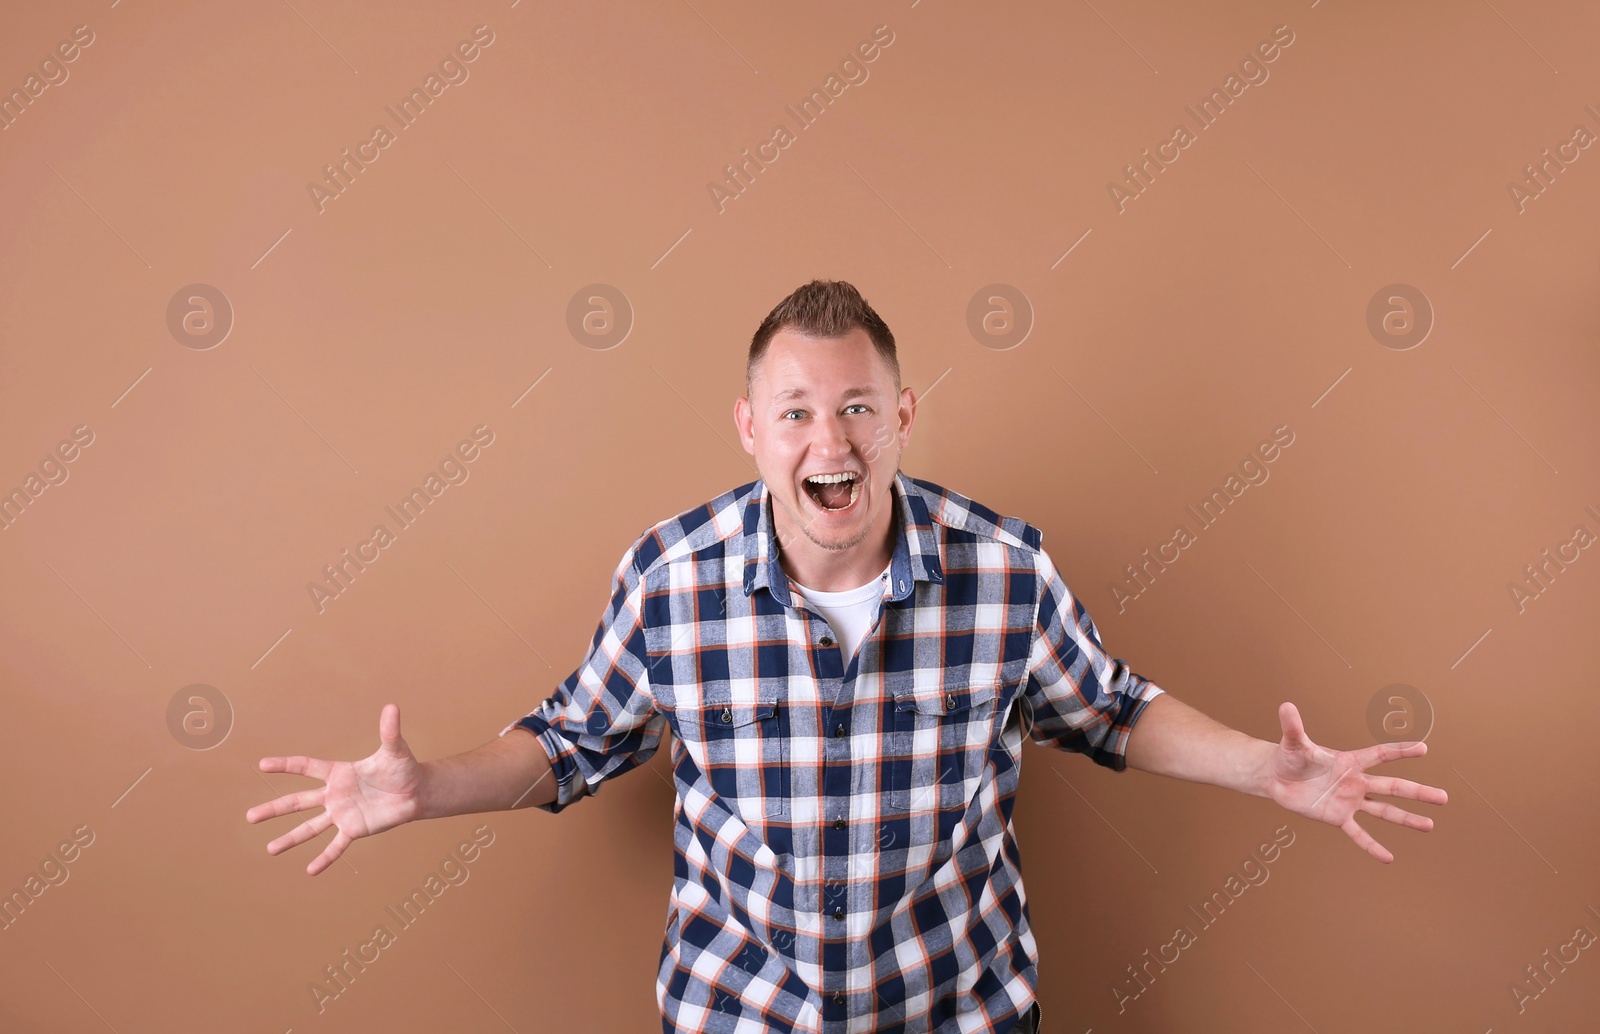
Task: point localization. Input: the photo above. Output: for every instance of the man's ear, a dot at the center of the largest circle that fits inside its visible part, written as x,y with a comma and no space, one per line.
744,420
908,415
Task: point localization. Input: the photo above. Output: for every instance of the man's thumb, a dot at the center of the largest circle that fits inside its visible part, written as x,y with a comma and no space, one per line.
389,730
1294,731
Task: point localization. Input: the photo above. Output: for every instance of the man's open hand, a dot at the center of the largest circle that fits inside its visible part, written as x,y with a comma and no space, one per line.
1332,785
359,797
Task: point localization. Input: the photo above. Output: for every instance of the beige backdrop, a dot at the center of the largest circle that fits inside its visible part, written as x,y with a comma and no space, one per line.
1380,241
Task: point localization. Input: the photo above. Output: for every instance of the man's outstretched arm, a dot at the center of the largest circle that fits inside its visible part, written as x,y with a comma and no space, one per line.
514,770
1173,739
390,787
510,771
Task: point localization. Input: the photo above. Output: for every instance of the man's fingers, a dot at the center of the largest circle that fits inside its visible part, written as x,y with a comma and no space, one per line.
316,768
288,804
1364,841
1390,813
300,834
1389,786
1379,753
329,854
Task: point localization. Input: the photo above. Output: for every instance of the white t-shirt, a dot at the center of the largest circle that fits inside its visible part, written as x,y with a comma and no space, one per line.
850,612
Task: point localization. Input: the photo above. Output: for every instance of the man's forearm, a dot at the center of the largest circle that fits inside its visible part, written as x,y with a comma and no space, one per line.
1171,738
511,771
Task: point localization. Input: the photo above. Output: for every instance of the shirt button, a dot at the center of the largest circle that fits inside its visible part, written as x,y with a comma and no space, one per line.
839,1001
826,640
838,913
838,731
838,823
950,702
727,716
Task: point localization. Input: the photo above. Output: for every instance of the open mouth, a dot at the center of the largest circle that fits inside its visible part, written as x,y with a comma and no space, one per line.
834,492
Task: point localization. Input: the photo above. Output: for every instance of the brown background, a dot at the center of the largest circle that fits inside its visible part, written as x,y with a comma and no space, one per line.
423,302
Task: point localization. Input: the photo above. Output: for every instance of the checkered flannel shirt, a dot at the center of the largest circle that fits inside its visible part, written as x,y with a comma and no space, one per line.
844,857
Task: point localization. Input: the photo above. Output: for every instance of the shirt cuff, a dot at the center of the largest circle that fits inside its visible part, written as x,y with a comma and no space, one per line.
1133,704
562,765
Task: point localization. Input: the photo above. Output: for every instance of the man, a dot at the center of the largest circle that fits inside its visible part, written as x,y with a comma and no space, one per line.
848,660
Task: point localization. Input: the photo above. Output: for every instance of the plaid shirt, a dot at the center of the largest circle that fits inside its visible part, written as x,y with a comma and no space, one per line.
844,858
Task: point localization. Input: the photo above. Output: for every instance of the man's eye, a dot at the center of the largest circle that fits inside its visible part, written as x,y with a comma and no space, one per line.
859,406
792,412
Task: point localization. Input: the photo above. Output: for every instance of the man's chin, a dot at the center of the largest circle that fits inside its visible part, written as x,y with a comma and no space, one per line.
839,539
838,545
809,523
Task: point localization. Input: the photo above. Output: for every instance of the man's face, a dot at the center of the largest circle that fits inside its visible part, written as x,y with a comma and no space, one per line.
826,424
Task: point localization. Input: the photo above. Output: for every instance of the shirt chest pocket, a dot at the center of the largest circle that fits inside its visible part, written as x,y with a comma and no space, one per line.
742,749
939,741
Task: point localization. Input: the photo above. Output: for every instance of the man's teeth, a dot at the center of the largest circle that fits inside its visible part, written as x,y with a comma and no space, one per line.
823,482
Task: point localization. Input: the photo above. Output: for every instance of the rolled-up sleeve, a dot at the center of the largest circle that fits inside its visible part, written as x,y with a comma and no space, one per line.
1082,699
602,720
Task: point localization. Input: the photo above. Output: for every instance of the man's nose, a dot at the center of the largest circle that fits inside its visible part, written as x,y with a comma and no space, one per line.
831,439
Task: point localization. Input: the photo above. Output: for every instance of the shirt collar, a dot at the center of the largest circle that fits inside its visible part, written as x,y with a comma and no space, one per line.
915,557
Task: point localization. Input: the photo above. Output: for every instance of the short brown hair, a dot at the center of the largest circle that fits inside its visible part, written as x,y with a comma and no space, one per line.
823,308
